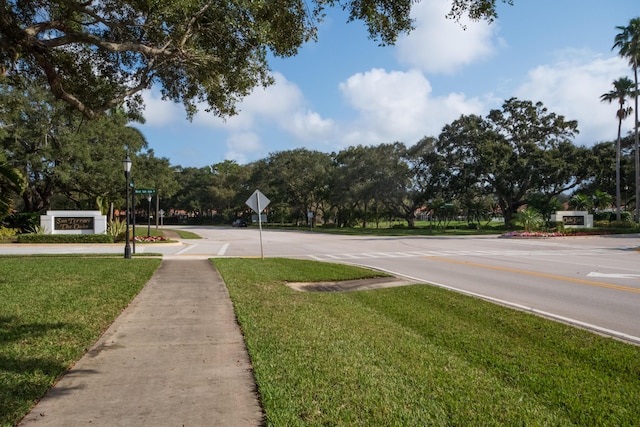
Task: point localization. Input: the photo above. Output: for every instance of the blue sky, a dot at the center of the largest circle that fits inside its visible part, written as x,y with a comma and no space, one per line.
345,90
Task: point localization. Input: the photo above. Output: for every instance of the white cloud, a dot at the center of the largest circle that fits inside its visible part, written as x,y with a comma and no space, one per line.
160,113
572,87
442,45
308,126
278,102
245,146
398,106
273,103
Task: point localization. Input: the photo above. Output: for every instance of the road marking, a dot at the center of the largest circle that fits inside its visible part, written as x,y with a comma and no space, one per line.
223,249
613,275
557,317
537,274
428,253
187,248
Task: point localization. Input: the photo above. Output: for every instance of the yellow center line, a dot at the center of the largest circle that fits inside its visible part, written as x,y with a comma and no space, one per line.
537,274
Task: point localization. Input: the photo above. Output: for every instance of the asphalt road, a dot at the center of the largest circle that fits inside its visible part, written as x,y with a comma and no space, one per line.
593,282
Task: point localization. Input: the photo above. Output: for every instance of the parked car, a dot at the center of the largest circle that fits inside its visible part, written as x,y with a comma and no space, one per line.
239,223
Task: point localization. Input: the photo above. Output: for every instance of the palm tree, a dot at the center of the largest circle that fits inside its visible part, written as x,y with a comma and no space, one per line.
530,219
623,88
601,200
628,44
580,202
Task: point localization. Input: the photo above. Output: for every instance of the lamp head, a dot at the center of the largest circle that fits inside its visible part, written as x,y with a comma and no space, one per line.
127,164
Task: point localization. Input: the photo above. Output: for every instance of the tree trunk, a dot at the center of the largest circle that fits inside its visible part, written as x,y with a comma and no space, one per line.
618,195
637,144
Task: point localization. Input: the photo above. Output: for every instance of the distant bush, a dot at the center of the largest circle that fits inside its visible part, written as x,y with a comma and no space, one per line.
24,222
611,216
556,225
7,233
603,216
117,230
65,238
621,224
586,232
329,225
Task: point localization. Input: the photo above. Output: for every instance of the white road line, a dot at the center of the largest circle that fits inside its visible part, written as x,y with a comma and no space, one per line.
508,253
620,335
614,275
223,249
188,248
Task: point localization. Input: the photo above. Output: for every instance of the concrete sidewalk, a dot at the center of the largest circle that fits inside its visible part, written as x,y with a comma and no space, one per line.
174,357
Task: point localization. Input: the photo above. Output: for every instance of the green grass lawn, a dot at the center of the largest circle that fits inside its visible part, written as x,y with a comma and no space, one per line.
52,310
386,228
184,234
410,356
420,355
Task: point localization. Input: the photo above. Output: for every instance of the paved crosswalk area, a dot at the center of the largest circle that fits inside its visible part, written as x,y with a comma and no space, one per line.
499,253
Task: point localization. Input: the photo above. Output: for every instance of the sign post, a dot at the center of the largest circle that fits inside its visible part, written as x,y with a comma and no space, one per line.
133,207
258,202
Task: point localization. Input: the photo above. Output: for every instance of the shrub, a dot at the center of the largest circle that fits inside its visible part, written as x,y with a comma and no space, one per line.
529,218
117,229
65,238
621,224
24,221
556,225
603,216
7,233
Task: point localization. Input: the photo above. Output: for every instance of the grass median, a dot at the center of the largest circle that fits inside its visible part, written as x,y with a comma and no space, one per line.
52,310
419,355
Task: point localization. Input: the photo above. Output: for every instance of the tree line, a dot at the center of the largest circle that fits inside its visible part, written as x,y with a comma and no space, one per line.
54,157
478,167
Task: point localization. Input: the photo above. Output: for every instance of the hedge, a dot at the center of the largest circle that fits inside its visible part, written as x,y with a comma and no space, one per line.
65,238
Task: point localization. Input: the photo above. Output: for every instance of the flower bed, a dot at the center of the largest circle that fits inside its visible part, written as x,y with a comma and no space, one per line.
572,233
533,234
150,239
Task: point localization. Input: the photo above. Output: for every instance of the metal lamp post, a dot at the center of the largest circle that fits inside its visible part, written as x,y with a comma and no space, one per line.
149,216
127,171
133,214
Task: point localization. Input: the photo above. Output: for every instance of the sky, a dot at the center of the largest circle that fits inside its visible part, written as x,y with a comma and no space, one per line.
345,90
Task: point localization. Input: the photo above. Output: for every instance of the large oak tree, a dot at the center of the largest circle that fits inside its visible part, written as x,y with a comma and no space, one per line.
513,152
96,55
68,161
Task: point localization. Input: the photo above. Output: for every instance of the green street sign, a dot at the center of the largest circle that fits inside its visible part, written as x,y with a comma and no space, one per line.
145,191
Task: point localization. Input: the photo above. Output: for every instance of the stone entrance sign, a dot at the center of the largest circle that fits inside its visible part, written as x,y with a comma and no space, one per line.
574,219
74,222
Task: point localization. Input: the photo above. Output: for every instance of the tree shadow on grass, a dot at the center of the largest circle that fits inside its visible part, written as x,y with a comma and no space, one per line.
25,377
